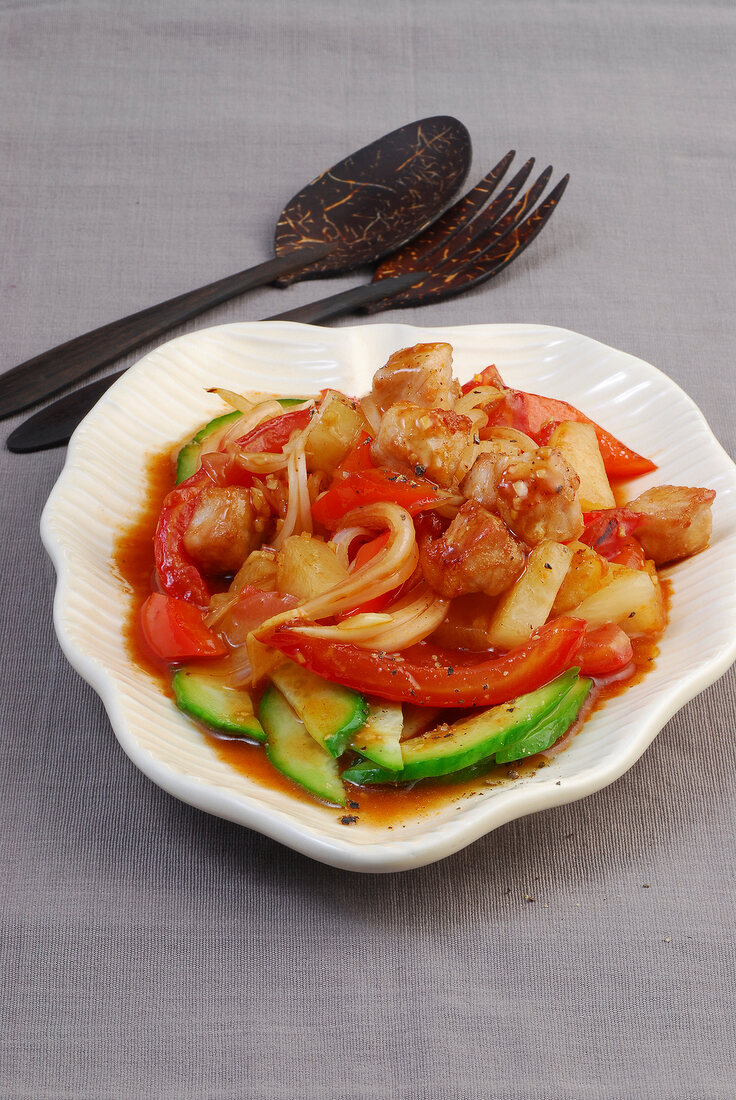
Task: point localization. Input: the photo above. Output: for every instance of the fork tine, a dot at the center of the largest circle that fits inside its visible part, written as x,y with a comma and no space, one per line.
463,275
408,258
493,233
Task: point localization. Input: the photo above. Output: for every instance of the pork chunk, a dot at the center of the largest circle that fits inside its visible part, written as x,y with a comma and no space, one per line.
676,522
477,553
421,374
425,442
537,497
225,527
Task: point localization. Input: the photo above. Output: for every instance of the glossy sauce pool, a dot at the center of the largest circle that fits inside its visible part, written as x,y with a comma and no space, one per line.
133,562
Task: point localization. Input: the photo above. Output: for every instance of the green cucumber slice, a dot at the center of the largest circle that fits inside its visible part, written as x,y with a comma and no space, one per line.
331,713
551,728
447,749
296,754
188,458
205,696
380,738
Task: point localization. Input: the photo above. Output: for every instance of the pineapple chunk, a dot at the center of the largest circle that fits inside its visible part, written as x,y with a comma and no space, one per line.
333,431
307,567
632,599
528,602
587,573
578,444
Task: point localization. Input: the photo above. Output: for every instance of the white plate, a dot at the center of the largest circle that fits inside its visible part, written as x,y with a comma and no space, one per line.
163,398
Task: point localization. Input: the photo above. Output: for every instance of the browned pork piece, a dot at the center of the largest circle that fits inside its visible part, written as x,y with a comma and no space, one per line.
677,521
425,442
477,553
482,482
421,374
537,497
227,524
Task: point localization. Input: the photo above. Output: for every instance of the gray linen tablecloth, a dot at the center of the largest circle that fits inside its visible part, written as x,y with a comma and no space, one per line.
153,951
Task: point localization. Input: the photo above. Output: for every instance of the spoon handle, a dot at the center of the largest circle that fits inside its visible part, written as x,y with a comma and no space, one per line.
52,370
53,425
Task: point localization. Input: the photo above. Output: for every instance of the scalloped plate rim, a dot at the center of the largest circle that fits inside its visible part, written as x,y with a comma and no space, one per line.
392,854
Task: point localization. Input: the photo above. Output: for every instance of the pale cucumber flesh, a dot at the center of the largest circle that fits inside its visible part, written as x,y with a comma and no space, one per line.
296,754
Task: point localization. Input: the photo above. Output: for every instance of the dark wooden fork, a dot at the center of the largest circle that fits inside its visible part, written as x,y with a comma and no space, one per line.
473,241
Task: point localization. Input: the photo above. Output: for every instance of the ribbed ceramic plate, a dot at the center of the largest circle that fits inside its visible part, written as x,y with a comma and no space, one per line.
163,398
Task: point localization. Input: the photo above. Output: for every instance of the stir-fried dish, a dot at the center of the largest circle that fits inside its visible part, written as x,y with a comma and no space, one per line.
416,583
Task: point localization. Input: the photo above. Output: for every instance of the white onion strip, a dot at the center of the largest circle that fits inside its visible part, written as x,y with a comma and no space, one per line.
385,571
409,621
342,540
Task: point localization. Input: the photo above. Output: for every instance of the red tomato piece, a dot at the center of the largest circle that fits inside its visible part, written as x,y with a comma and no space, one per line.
174,630
536,416
178,575
431,676
370,487
359,458
272,435
605,650
366,553
608,531
489,376
254,606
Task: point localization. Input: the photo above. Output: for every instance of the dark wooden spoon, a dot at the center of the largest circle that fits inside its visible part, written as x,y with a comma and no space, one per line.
358,211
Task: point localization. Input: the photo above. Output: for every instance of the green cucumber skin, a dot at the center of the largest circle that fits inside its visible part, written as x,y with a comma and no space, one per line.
296,754
188,457
310,695
222,709
427,756
551,728
379,739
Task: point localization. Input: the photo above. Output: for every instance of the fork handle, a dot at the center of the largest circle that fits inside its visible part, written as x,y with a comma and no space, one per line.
52,370
53,426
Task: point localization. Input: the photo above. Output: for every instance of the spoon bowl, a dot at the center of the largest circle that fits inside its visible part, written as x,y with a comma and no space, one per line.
377,199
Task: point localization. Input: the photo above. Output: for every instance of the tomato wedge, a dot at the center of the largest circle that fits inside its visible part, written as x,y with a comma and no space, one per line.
371,486
174,631
605,650
489,376
366,553
608,531
536,416
178,575
272,435
430,676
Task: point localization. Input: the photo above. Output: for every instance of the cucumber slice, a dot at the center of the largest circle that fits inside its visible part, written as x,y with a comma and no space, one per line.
380,738
447,749
331,713
295,754
188,457
205,696
551,728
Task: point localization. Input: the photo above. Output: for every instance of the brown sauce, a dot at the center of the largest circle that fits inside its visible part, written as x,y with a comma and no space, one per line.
133,563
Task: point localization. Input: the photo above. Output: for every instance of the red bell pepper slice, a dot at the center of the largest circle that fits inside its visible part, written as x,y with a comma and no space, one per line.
272,435
536,416
370,487
174,631
431,676
605,650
